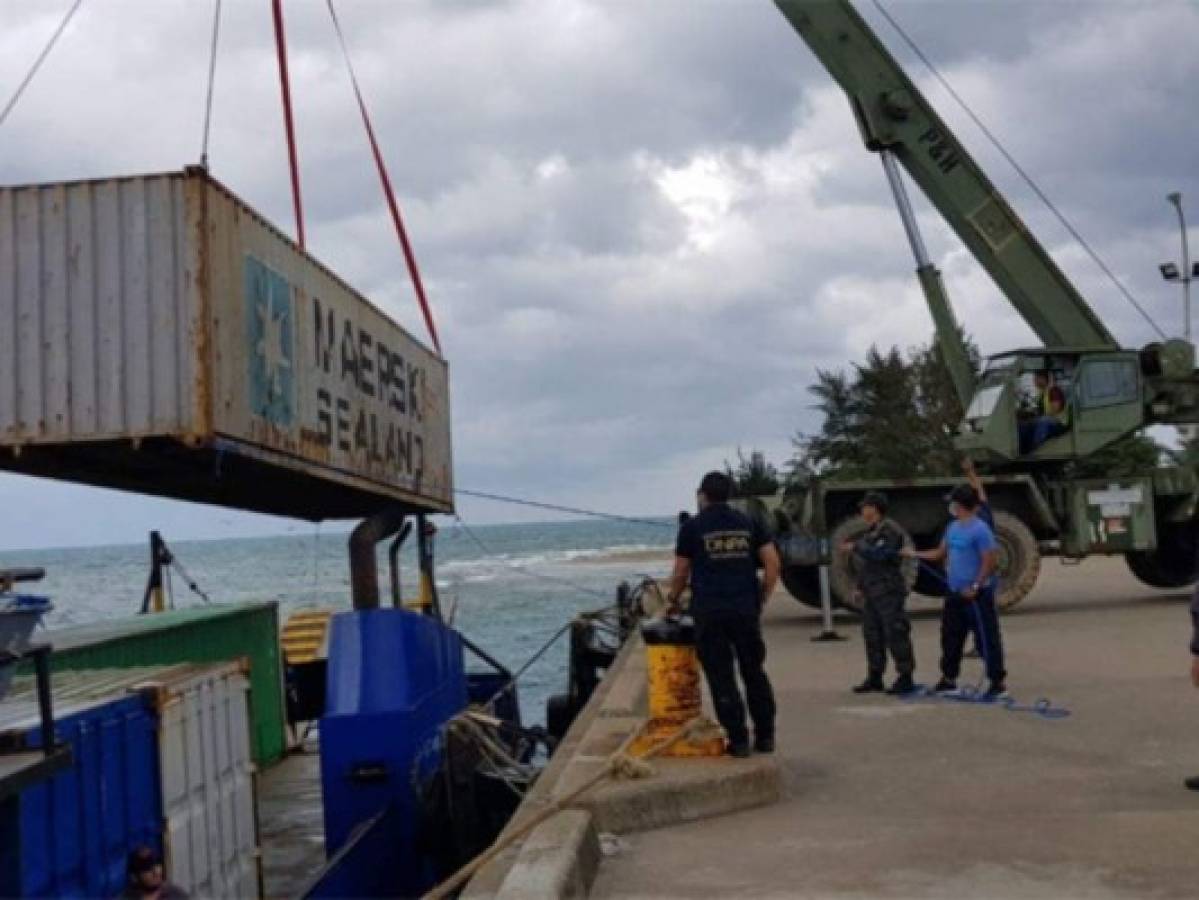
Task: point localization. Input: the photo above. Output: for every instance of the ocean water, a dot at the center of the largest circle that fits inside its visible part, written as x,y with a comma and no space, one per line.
507,587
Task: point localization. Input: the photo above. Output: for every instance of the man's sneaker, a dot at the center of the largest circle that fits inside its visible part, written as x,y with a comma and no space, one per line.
871,685
764,744
1192,783
740,750
945,686
997,691
902,685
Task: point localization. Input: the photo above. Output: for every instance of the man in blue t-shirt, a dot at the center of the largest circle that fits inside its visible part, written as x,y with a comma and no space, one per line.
972,556
719,550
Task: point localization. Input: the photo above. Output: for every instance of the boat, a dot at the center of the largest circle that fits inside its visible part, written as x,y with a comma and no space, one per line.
177,730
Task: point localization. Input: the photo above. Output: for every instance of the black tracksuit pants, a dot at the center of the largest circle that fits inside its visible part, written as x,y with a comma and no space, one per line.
885,626
722,638
979,616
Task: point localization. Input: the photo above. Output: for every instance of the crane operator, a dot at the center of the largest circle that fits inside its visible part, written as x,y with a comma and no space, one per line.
1051,416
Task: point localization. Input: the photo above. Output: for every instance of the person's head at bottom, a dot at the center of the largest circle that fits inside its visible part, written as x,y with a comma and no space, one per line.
143,867
963,501
716,487
873,507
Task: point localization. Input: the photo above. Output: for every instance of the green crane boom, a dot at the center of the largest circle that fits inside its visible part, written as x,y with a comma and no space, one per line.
895,119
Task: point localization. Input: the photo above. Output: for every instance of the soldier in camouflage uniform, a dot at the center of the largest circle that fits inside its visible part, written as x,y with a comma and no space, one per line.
878,568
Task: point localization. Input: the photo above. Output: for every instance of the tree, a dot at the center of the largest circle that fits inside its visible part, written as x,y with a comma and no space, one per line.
754,475
892,416
889,409
938,404
834,448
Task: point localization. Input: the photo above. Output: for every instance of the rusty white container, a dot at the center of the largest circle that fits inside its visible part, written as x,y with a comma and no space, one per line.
211,844
156,334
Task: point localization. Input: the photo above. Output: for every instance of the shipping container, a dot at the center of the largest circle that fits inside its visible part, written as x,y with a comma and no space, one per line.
158,335
198,807
210,633
208,779
68,836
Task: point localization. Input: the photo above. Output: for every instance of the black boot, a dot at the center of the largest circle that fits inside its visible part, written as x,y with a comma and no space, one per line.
872,684
1192,783
739,749
903,685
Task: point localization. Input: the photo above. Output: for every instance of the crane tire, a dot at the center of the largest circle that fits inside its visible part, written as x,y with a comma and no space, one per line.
803,583
1019,560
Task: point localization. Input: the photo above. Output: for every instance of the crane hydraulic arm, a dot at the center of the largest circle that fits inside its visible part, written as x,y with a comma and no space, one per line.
896,120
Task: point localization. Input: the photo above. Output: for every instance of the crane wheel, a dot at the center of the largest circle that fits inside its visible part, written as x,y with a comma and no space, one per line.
1019,559
1172,564
803,583
842,571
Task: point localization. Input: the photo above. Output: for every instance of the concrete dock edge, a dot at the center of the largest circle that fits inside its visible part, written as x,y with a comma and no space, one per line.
684,791
558,859
561,856
489,881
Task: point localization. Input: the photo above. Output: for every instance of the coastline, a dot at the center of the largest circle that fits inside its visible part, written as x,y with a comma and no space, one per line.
639,555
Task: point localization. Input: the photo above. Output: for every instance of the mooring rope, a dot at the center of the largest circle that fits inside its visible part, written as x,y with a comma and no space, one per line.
621,764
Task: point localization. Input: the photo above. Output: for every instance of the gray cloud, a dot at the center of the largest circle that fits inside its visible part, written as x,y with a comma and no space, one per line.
643,225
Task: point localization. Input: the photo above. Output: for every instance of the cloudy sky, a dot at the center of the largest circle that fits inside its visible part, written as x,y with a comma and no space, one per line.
643,226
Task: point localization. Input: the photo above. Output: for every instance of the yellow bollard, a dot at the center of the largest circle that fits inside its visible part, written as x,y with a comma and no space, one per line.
674,690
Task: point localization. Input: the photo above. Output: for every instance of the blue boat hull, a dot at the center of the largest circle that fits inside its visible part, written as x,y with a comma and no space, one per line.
395,678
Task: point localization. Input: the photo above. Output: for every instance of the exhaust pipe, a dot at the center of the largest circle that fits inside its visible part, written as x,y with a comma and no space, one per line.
364,567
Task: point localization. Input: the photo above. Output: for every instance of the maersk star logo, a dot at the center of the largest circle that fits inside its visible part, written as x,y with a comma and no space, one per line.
270,340
272,353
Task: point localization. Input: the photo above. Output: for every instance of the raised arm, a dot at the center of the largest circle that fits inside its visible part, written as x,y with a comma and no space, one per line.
972,477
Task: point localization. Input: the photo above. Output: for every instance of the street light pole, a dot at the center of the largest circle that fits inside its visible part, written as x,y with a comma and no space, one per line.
1176,200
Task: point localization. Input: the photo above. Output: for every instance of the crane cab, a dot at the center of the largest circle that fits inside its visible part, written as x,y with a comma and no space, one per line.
1095,398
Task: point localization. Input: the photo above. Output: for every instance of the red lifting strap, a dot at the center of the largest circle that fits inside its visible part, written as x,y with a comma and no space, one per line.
409,256
285,86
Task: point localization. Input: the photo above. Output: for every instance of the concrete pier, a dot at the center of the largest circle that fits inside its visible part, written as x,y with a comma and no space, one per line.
879,797
887,798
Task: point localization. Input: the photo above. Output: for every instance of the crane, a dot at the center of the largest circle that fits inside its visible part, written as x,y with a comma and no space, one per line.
1108,392
1112,391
